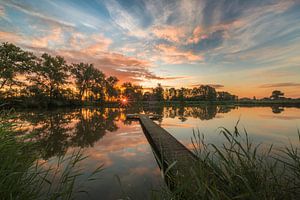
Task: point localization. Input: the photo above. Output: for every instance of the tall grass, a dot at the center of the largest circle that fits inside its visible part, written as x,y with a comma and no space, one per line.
239,169
23,177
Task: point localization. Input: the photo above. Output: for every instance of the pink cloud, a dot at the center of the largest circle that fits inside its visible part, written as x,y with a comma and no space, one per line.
170,33
172,55
10,37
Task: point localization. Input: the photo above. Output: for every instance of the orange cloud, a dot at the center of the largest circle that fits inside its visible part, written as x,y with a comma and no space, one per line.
170,33
275,85
54,36
172,55
11,37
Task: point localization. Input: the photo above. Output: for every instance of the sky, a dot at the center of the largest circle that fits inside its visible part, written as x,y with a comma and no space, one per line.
246,47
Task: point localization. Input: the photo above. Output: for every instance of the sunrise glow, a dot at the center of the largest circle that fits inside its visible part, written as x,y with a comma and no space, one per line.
175,43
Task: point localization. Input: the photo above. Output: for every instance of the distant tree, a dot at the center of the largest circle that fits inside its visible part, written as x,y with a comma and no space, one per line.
13,61
181,92
111,89
147,96
207,93
172,93
99,85
158,92
132,92
225,96
276,94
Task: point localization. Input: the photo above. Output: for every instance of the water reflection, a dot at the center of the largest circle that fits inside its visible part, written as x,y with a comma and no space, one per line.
277,109
57,130
108,138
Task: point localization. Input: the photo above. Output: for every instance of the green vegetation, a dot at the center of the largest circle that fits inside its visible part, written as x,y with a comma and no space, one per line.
239,170
22,176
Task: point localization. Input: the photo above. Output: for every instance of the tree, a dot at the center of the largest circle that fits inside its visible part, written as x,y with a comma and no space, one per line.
49,75
158,92
132,92
89,81
83,74
172,93
13,61
111,90
98,85
276,94
208,93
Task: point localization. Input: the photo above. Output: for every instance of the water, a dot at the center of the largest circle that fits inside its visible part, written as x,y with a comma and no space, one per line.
130,167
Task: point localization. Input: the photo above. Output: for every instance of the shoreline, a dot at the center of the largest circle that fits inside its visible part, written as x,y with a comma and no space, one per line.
77,104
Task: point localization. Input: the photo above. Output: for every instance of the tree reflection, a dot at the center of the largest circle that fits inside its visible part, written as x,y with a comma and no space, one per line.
55,131
92,126
206,112
277,109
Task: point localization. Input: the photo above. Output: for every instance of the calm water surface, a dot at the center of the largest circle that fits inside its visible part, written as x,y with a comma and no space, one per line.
130,167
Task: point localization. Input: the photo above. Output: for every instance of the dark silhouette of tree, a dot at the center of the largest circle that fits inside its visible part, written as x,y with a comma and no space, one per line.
277,109
207,93
49,75
276,94
13,61
92,126
99,85
50,81
83,74
132,92
158,92
111,90
172,94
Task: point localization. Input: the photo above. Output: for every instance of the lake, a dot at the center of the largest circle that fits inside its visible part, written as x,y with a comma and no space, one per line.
131,170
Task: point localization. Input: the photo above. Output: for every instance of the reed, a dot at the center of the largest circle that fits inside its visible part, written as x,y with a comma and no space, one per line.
23,176
239,169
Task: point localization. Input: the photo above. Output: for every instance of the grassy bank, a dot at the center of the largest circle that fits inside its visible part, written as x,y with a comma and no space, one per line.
22,176
30,103
239,169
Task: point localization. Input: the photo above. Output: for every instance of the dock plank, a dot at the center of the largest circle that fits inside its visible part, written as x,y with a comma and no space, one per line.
167,148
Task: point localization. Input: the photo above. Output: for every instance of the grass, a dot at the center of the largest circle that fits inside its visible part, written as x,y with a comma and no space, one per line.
23,177
239,169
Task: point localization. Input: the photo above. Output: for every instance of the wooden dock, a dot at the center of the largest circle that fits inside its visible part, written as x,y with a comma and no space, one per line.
168,150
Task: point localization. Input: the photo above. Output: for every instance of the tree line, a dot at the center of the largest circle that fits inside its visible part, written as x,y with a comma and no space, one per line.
49,80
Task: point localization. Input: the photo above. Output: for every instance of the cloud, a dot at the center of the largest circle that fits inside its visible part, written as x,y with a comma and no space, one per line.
25,8
54,36
10,37
207,41
274,85
170,33
91,49
2,11
173,55
125,20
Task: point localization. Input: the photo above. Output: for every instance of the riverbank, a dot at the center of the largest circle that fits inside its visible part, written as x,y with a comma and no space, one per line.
21,103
